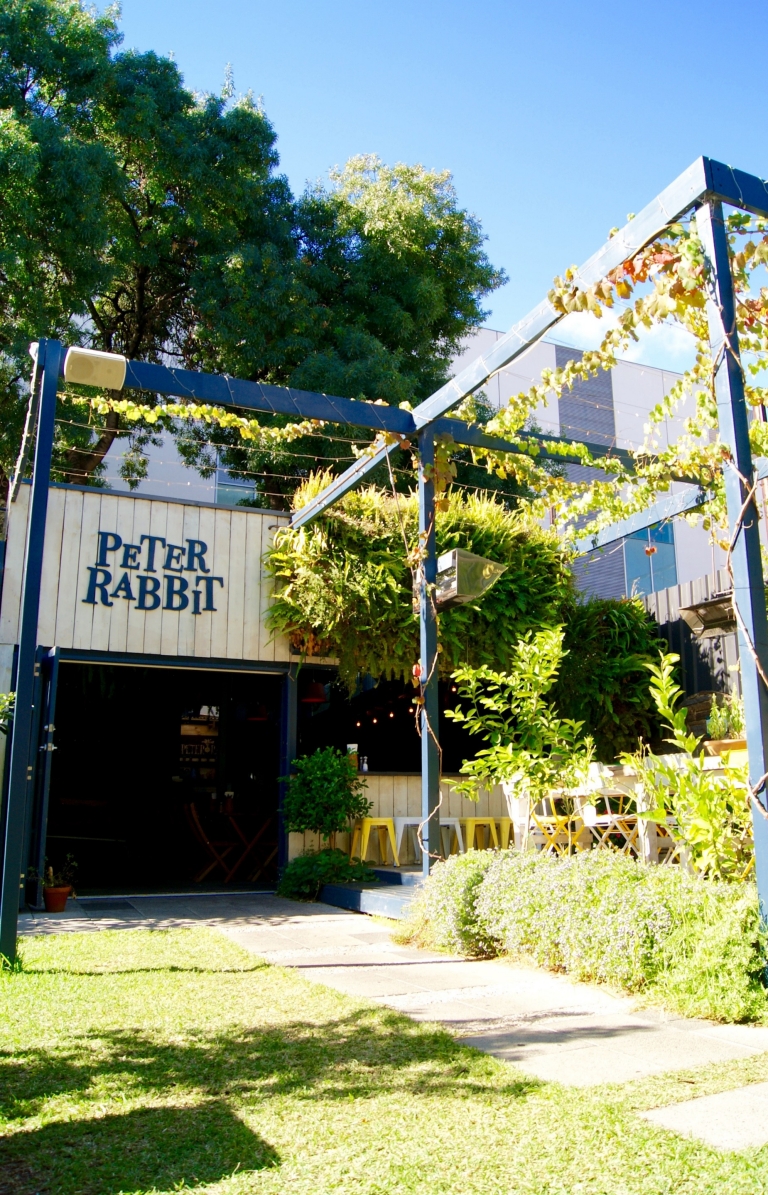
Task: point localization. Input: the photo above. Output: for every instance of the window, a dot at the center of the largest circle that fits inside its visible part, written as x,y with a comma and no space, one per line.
230,491
649,558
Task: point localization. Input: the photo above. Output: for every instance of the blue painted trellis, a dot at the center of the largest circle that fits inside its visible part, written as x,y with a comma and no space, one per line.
705,186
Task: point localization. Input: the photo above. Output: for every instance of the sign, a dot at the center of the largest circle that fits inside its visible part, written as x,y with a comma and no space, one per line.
150,591
147,576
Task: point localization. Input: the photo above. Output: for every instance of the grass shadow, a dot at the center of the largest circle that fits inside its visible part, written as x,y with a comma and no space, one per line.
367,1052
157,1149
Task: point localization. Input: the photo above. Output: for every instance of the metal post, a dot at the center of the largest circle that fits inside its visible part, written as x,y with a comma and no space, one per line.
21,786
288,748
748,588
42,748
429,713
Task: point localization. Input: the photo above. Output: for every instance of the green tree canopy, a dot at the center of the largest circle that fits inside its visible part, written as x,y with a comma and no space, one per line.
140,218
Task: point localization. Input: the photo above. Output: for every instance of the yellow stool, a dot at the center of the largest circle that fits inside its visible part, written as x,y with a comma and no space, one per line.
472,825
385,826
506,832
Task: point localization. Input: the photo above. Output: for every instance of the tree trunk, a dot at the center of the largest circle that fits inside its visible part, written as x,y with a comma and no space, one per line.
82,462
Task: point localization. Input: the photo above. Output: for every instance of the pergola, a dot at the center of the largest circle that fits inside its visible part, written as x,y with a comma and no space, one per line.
704,187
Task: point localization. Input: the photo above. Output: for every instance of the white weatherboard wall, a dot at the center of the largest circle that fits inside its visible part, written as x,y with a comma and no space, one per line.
231,623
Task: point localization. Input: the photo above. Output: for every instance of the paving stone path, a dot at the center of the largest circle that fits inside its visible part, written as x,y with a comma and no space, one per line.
550,1027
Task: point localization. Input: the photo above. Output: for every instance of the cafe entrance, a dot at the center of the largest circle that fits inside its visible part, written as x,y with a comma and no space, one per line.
165,779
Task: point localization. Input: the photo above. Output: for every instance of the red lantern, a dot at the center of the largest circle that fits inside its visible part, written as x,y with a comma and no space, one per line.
315,694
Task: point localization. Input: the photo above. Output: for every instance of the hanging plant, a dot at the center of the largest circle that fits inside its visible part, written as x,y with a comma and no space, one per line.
344,586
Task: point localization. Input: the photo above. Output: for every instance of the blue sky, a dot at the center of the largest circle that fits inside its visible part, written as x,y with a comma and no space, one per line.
555,118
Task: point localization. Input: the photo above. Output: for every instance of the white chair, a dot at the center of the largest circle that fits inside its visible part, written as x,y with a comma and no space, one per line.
449,825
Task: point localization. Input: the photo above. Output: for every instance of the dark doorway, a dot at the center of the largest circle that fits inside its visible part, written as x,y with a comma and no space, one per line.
165,779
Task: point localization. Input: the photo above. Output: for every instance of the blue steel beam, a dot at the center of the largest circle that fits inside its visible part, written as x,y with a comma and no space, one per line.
735,188
703,179
464,434
665,508
746,563
305,404
429,711
268,400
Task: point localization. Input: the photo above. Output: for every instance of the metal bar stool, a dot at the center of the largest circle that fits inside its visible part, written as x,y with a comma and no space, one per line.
385,827
473,824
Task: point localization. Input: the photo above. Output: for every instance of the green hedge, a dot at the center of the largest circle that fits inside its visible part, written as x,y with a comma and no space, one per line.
691,944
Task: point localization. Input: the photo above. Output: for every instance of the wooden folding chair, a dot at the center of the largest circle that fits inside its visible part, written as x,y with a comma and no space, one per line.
249,844
218,849
615,828
560,830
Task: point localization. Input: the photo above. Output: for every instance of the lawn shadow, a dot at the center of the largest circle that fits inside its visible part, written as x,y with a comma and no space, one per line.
157,1149
364,1053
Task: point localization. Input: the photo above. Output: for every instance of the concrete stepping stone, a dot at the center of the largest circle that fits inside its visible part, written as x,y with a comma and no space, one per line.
731,1120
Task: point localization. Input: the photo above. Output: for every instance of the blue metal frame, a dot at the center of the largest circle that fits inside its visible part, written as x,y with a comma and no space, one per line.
429,712
21,785
703,180
706,183
746,563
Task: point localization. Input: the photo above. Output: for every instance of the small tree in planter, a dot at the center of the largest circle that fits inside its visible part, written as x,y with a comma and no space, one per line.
530,750
324,796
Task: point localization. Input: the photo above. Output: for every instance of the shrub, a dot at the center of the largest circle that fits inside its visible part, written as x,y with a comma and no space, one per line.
603,680
324,794
305,876
526,741
696,945
711,812
443,914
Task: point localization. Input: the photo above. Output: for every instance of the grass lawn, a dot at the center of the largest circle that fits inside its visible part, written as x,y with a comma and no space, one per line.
141,1061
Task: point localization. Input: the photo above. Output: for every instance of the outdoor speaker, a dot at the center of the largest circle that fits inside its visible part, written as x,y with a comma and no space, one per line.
89,367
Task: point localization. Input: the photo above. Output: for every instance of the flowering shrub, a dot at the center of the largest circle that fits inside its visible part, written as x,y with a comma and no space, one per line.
444,913
694,944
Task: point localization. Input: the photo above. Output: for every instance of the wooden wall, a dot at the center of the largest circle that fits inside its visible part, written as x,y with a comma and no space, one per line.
236,539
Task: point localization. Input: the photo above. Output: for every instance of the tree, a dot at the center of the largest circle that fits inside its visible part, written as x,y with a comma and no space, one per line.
159,227
395,273
54,177
202,247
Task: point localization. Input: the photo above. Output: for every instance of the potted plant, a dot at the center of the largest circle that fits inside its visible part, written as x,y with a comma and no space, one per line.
57,886
324,795
531,751
725,726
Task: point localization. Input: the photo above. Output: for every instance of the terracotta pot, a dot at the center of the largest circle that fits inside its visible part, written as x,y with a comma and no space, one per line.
56,899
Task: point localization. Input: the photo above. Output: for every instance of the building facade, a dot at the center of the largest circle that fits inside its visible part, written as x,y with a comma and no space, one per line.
611,409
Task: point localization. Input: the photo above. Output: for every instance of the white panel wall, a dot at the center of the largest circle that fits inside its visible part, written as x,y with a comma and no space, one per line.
517,377
232,627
